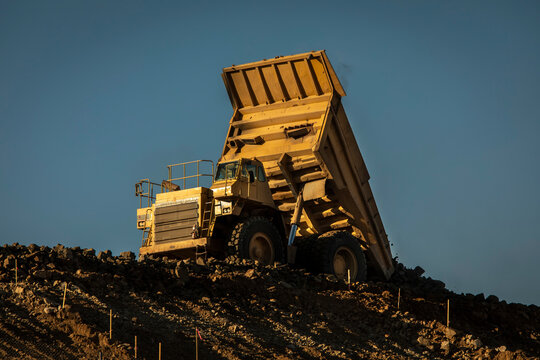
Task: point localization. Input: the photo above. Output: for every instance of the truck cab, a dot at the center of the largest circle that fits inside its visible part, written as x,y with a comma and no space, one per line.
244,179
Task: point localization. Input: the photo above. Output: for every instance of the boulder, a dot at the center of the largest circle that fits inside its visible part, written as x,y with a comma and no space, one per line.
450,333
127,255
65,253
104,255
89,252
418,271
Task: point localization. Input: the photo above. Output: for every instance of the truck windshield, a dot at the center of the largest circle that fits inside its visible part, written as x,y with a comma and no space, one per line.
226,171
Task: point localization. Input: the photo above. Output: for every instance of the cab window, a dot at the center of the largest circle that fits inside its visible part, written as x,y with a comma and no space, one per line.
248,168
260,174
226,171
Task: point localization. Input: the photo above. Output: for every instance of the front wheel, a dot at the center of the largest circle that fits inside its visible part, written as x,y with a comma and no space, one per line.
339,253
256,238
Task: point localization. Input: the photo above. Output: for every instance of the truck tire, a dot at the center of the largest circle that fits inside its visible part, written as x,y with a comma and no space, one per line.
304,252
256,238
337,252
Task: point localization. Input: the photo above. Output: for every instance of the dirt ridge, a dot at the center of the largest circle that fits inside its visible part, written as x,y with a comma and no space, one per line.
243,311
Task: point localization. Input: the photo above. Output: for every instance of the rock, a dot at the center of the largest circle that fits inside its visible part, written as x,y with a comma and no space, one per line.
501,348
65,253
476,343
103,340
9,262
200,261
49,310
181,273
424,342
233,328
42,274
504,355
103,255
50,302
127,255
479,297
418,271
250,273
492,299
436,284
331,278
89,252
82,330
450,333
58,247
19,290
445,346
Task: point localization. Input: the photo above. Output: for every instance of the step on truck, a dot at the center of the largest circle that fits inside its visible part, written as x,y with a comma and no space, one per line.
290,185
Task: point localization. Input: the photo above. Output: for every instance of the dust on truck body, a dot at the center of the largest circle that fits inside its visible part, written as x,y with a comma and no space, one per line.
290,177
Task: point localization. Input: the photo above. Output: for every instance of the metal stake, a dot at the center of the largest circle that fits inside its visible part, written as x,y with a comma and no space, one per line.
196,345
448,313
110,324
65,290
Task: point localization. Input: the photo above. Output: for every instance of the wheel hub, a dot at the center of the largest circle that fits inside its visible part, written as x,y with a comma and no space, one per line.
344,261
261,248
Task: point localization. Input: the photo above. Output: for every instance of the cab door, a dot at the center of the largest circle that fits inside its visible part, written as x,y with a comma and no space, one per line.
250,171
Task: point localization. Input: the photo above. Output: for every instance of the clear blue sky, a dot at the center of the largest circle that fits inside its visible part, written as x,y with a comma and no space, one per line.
443,97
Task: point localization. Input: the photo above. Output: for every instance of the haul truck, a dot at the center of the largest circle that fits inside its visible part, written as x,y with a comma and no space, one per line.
290,183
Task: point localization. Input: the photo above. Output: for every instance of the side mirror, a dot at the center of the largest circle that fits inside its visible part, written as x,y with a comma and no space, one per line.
251,176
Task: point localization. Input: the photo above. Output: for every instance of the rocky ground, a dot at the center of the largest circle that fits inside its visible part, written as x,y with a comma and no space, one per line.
242,311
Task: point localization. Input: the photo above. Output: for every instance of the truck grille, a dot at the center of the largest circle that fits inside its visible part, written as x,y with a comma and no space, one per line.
175,222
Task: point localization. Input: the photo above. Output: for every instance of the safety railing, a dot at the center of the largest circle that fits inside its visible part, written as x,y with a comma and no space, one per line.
185,167
144,189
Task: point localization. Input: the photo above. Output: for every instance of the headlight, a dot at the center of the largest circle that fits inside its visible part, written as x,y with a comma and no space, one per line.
222,207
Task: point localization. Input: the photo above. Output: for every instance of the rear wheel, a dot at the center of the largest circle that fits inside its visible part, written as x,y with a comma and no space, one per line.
256,238
338,253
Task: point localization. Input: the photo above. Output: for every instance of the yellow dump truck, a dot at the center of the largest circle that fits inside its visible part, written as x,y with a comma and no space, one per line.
290,183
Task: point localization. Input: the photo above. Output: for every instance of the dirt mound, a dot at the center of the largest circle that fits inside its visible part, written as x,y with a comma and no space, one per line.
242,311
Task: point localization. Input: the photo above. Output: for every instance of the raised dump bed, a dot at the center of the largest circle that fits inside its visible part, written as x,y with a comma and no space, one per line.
288,115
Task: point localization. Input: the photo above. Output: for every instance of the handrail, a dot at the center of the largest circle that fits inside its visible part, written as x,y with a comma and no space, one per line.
145,188
184,177
149,193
